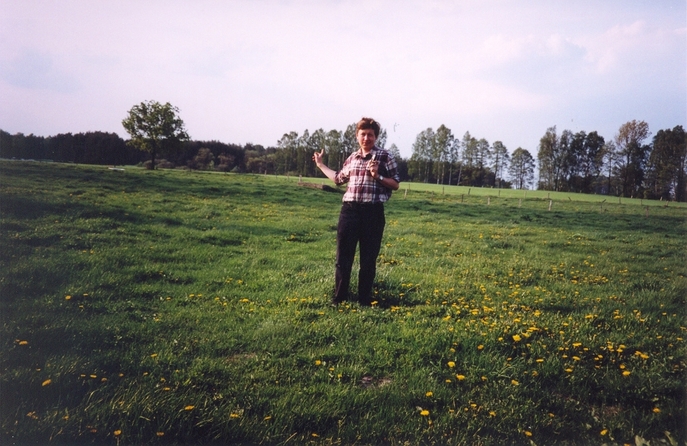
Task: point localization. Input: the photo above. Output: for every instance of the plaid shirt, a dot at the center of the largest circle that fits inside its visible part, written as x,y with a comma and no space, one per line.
362,188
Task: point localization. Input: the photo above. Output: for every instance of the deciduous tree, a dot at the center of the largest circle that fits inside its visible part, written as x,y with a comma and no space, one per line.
155,127
521,169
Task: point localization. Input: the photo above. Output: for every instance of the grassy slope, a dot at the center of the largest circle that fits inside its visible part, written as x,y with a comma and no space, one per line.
167,306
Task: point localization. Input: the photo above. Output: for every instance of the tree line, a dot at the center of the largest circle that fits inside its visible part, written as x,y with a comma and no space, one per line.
628,165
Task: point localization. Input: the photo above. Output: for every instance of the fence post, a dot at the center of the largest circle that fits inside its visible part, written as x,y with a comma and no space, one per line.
519,202
488,201
550,204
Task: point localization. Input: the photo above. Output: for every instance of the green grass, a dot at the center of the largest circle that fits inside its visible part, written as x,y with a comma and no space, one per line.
146,307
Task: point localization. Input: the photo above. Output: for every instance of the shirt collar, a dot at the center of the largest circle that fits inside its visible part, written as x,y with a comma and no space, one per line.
359,153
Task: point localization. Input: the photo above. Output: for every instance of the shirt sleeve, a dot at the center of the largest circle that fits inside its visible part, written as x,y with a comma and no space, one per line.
392,168
344,174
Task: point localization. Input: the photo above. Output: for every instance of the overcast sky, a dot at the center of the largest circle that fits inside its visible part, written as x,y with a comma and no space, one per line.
250,71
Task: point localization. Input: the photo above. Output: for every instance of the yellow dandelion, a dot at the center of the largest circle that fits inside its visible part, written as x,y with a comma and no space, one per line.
67,297
268,417
492,413
234,415
318,362
117,433
428,394
460,377
451,364
23,342
540,360
577,344
314,434
528,433
604,432
160,434
626,373
188,408
517,338
515,382
656,410
569,370
480,347
424,413
47,382
576,358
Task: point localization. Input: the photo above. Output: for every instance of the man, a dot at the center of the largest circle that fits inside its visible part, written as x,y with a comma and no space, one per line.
371,174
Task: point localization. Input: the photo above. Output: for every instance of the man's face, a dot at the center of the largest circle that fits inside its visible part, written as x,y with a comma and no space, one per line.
366,139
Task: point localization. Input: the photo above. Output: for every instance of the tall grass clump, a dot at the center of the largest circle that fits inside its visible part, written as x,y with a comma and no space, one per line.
172,307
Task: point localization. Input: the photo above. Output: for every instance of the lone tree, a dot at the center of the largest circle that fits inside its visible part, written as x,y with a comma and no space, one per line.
154,128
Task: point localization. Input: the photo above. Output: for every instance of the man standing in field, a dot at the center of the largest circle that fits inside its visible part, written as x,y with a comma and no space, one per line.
371,174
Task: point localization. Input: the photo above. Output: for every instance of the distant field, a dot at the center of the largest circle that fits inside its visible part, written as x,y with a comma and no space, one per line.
467,191
171,307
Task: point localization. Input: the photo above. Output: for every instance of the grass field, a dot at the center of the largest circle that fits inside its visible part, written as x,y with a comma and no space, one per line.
168,307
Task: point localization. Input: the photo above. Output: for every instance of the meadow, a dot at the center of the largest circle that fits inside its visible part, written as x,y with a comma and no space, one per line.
174,307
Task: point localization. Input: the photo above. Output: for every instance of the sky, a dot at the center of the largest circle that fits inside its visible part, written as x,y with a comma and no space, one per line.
249,71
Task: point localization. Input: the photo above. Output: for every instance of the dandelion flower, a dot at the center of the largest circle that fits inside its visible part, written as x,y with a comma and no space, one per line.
424,413
528,433
318,362
626,373
604,432
234,415
160,434
117,433
67,297
480,347
47,382
656,410
517,338
492,414
23,342
428,394
188,408
569,370
515,383
451,364
460,377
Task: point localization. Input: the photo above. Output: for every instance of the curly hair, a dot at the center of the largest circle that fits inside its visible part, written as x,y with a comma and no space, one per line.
368,123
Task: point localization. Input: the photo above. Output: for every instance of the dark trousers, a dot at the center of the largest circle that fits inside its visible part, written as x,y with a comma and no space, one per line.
363,224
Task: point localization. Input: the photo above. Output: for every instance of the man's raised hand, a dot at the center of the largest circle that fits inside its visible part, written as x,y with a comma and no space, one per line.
317,157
